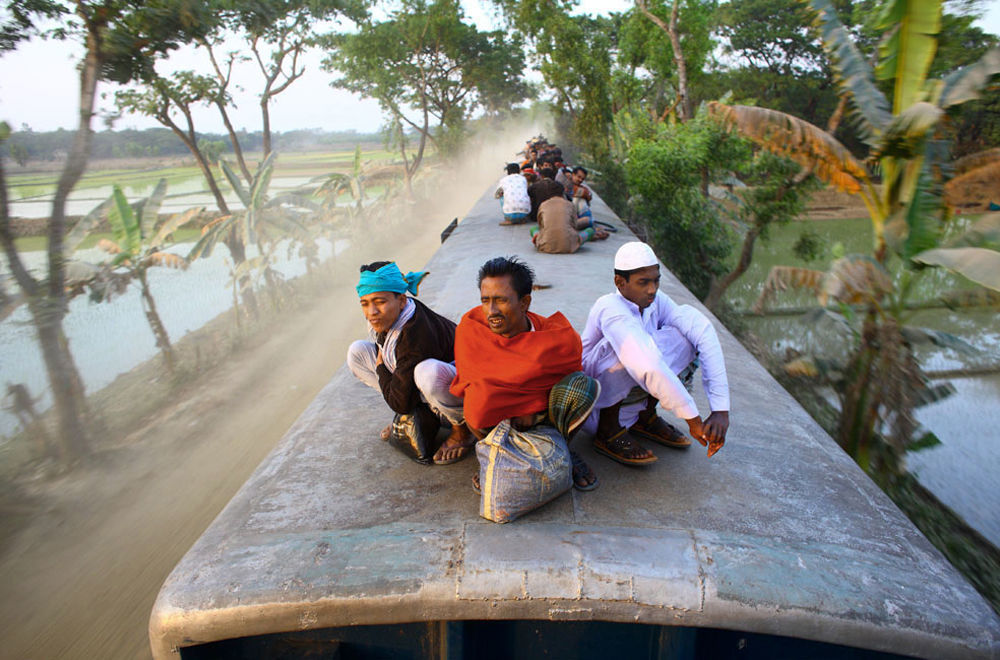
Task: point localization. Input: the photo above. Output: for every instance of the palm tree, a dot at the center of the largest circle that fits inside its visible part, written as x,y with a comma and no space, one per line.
882,382
135,249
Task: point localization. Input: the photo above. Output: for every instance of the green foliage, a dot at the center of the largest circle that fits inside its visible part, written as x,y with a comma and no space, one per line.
665,177
810,246
425,61
771,36
213,149
574,54
772,194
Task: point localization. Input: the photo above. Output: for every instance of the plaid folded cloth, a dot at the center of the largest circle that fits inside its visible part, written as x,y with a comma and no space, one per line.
571,401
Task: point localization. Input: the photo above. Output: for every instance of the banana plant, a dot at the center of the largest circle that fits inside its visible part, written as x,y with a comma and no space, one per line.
882,381
135,247
263,222
361,206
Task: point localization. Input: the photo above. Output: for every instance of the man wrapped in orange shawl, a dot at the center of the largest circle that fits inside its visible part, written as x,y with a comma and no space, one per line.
512,363
503,377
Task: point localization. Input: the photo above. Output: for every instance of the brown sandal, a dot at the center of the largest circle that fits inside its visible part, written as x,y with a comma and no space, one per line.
618,445
661,432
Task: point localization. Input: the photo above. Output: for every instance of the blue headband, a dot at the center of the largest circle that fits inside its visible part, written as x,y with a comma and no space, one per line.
389,278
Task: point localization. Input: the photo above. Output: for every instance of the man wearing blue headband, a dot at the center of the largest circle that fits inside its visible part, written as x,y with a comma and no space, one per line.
409,354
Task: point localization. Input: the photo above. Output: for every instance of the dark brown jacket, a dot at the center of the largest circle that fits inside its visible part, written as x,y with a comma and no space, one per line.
426,335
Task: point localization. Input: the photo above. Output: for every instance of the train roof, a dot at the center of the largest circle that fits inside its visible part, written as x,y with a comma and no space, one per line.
779,533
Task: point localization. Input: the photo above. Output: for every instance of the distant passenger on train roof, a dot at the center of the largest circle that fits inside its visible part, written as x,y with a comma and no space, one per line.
644,349
559,230
543,189
512,190
580,194
508,360
409,354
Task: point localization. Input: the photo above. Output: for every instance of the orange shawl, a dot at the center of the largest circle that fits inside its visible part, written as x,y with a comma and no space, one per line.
502,377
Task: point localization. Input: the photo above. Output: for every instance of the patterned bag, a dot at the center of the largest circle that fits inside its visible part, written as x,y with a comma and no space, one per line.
520,471
415,434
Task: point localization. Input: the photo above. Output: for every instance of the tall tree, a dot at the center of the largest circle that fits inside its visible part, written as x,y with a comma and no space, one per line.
172,101
429,70
687,27
279,32
574,55
120,39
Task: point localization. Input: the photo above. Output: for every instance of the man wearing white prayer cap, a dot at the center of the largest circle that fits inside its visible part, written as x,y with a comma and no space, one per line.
644,348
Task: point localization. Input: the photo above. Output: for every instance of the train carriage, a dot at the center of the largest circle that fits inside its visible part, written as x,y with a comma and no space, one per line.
778,546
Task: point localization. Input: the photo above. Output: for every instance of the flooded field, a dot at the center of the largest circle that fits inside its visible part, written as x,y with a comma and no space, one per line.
31,194
961,471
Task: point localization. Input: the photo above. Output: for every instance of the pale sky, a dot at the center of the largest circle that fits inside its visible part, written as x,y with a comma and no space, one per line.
39,86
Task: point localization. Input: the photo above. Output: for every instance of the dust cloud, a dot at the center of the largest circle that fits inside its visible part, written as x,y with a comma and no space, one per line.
81,570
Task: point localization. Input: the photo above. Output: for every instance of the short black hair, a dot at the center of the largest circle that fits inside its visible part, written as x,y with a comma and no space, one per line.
627,273
373,266
580,169
547,171
521,276
513,168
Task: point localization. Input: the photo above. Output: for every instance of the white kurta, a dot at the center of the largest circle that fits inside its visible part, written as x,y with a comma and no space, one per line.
623,347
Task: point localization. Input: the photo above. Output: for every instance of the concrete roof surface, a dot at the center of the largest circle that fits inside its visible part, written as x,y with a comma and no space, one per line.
778,533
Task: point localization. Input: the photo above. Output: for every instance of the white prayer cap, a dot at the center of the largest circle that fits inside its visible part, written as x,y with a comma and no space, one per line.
635,255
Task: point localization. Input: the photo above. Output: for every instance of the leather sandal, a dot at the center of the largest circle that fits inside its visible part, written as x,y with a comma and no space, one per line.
616,446
661,432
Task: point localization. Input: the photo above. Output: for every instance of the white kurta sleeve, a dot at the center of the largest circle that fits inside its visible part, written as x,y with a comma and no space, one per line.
698,330
642,360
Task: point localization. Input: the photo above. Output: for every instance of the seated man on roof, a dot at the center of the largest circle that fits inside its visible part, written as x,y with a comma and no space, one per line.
544,188
642,347
559,231
512,190
514,364
580,194
408,354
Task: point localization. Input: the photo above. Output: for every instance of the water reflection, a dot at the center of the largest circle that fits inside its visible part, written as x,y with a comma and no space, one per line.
183,192
961,472
110,338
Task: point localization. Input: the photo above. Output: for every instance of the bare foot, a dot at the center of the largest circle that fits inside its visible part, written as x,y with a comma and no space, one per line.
456,446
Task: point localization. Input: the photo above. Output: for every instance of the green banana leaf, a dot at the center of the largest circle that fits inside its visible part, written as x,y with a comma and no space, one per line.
150,210
87,224
907,53
870,106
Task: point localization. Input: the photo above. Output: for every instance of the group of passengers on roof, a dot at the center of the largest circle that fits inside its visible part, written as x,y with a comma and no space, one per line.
544,191
504,362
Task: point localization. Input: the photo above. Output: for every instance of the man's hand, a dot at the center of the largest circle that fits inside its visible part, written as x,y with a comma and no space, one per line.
697,429
715,428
